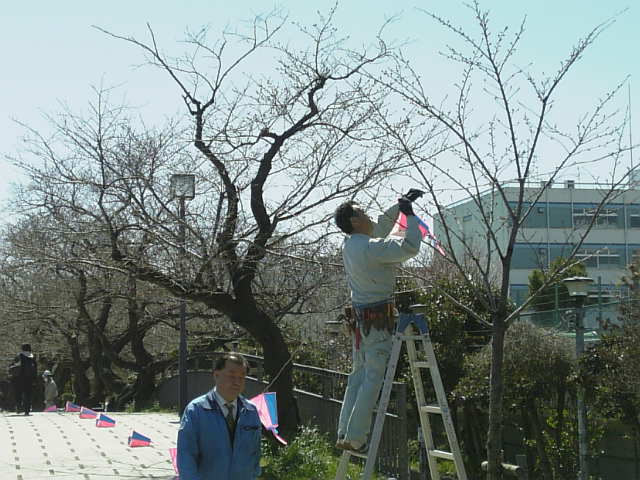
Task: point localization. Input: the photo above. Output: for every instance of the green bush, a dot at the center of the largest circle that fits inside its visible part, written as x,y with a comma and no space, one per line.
309,456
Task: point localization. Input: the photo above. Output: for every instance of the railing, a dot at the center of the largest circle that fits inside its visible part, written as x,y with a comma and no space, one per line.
320,402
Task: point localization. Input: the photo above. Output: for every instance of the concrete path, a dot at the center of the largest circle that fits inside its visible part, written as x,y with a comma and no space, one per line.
61,445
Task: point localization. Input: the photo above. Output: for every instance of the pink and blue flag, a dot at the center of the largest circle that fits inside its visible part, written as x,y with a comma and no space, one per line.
401,226
104,421
71,407
52,408
87,413
138,440
267,407
173,453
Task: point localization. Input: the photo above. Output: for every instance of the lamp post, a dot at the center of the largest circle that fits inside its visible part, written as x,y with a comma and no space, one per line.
579,288
183,187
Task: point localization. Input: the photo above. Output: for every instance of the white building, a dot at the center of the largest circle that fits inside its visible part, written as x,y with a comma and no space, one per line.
551,230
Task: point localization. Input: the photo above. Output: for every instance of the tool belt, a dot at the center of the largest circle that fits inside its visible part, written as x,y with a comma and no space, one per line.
381,317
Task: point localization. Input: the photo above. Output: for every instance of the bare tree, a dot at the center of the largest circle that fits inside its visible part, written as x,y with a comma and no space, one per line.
492,136
273,154
85,316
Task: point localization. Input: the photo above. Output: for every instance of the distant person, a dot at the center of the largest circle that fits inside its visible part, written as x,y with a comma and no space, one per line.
50,390
24,371
219,436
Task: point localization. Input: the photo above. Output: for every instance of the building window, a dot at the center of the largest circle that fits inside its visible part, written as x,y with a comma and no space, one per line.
600,257
633,216
608,217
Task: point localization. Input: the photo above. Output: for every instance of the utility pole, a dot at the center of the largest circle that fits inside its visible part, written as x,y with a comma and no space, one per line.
182,360
182,188
579,289
582,411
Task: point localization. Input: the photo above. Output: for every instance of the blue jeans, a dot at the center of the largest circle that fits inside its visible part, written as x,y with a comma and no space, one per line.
363,387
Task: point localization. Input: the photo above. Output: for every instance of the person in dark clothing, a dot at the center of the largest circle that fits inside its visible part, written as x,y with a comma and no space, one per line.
26,371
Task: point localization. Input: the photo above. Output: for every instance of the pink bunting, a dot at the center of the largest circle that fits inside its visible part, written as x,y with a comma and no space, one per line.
87,413
138,440
71,407
105,422
401,226
267,408
173,453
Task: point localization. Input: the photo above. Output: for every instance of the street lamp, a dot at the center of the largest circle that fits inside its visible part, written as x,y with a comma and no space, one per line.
183,187
579,289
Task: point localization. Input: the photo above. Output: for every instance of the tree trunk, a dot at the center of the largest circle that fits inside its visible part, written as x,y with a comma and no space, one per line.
536,424
496,382
81,385
472,438
144,387
528,435
277,365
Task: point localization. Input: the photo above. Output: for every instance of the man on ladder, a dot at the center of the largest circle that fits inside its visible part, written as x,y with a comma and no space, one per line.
370,260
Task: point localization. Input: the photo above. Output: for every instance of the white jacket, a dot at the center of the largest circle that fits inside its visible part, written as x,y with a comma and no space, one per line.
371,262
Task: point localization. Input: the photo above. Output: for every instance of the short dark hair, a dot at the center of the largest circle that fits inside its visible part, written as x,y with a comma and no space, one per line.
232,357
343,215
26,347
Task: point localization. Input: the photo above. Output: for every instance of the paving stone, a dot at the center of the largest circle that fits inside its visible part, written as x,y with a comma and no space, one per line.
62,445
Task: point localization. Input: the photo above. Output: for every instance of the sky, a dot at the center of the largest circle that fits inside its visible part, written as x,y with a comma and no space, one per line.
52,56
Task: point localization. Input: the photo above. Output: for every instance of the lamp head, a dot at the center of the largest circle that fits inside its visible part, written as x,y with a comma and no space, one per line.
578,286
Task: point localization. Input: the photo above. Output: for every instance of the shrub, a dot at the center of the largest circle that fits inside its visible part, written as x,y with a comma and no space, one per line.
308,456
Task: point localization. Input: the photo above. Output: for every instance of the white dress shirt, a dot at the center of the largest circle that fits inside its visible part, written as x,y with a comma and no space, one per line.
223,404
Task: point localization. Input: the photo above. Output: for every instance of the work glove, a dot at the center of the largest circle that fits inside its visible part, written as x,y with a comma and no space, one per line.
413,194
404,205
404,202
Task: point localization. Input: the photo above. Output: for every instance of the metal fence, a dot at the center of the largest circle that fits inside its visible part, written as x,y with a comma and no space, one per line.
320,402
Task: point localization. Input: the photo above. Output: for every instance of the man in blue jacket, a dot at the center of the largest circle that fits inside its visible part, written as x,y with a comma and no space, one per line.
219,436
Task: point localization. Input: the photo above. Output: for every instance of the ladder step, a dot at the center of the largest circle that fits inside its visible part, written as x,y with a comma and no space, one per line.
431,409
421,364
441,454
411,337
356,454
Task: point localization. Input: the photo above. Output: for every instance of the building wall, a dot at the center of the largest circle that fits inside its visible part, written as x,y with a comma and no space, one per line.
555,223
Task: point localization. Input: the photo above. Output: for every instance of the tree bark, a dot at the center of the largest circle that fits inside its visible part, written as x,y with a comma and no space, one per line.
277,364
81,385
494,434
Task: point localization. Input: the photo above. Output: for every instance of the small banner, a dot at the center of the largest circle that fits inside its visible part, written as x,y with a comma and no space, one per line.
104,421
138,440
87,413
267,407
400,228
173,453
71,407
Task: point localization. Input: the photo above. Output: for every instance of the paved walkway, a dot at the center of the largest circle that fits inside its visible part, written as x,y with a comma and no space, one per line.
61,445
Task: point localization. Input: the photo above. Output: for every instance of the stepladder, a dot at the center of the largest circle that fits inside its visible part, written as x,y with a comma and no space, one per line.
412,330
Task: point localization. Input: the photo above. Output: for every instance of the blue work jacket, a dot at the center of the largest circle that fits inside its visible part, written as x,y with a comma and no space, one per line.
206,450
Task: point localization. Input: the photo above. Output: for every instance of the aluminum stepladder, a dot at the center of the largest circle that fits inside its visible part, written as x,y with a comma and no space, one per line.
404,333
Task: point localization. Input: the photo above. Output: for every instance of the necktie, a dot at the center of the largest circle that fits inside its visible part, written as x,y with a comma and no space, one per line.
230,418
